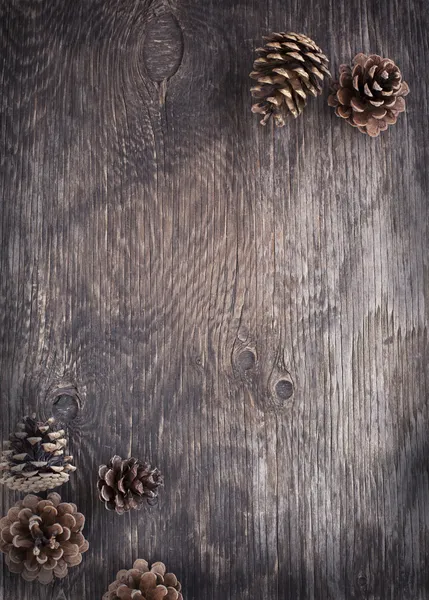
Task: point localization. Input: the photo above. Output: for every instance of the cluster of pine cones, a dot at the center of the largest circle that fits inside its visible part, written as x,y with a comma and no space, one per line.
42,539
290,67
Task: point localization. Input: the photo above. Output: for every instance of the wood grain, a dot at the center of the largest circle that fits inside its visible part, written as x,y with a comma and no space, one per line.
246,308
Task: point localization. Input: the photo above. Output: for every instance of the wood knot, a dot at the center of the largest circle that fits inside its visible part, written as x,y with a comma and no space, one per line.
246,360
284,389
66,404
362,581
163,47
281,386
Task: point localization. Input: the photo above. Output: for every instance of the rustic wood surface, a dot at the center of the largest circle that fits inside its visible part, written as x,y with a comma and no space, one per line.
246,308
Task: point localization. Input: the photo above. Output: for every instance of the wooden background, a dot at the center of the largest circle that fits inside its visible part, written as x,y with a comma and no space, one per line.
246,308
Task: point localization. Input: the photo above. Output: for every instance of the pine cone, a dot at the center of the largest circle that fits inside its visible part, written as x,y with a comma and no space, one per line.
42,538
290,67
34,460
142,583
369,94
126,484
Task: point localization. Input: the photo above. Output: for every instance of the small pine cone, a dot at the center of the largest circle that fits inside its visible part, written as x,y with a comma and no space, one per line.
144,583
289,68
34,458
369,94
42,538
126,484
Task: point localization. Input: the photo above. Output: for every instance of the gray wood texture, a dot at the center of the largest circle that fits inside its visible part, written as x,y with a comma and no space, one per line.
247,308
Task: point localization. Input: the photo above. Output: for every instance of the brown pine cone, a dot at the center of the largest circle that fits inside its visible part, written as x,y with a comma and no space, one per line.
142,583
33,459
42,538
289,68
126,484
369,94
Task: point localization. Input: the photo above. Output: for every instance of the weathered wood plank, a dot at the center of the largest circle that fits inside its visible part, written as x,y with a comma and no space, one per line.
245,308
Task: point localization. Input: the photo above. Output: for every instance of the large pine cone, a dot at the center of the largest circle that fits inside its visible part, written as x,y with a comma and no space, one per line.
369,94
33,459
126,484
42,538
290,67
142,583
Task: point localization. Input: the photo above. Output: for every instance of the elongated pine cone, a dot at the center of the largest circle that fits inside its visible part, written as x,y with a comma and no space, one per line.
289,68
34,458
42,538
369,94
126,484
144,583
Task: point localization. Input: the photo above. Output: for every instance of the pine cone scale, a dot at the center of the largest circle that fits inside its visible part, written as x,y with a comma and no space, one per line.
107,493
110,478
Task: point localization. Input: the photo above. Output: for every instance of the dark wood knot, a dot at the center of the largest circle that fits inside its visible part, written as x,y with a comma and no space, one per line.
362,581
246,360
284,389
66,405
163,47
